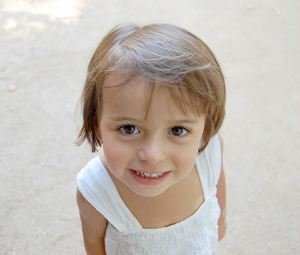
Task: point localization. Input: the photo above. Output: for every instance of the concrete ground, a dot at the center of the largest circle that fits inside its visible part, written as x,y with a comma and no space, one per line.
45,47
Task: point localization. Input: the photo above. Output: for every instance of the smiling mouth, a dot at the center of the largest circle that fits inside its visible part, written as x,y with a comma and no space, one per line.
147,175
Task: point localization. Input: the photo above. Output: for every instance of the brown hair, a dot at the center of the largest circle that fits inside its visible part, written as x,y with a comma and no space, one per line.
163,54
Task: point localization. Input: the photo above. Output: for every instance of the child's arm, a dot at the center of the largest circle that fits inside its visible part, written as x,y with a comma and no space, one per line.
221,195
93,227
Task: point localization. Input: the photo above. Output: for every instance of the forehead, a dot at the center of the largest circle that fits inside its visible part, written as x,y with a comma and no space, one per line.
123,92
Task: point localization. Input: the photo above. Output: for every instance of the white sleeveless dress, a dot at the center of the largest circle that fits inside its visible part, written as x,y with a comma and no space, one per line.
197,234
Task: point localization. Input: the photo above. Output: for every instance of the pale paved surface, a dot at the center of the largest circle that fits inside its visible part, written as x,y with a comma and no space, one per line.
44,51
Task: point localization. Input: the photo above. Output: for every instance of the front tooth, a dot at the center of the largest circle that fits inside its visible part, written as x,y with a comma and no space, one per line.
147,175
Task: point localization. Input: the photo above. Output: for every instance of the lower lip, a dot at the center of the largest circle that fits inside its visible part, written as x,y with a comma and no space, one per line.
149,181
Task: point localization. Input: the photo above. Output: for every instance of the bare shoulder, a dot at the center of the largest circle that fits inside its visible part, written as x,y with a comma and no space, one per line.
221,195
93,223
89,215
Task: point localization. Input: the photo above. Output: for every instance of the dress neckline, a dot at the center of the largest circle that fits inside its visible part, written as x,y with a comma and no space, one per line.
134,219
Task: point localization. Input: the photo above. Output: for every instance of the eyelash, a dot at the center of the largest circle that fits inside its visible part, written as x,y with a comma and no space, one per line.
122,129
182,129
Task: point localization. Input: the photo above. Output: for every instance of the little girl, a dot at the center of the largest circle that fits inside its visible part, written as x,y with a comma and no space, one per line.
154,101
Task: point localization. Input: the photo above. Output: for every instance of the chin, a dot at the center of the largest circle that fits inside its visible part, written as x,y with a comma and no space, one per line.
146,192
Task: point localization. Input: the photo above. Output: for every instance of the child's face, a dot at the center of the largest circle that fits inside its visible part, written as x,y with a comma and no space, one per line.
165,144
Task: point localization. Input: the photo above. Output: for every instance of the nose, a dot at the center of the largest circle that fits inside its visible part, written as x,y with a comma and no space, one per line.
153,150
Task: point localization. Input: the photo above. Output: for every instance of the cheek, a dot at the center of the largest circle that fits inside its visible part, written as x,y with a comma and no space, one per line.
116,156
187,157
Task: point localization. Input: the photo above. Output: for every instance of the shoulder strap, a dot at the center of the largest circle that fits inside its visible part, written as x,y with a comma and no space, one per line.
208,164
95,184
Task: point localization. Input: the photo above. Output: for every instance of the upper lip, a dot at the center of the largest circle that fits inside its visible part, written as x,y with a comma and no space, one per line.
150,172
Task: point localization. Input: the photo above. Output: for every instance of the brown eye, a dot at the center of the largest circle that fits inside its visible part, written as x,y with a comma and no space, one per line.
129,130
178,131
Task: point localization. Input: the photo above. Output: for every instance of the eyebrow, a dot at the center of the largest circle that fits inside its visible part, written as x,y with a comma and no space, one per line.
124,118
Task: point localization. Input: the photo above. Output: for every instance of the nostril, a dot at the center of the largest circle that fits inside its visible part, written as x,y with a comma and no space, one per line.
152,150
141,155
152,156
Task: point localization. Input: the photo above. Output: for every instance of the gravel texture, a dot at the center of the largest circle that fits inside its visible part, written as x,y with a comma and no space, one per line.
45,47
